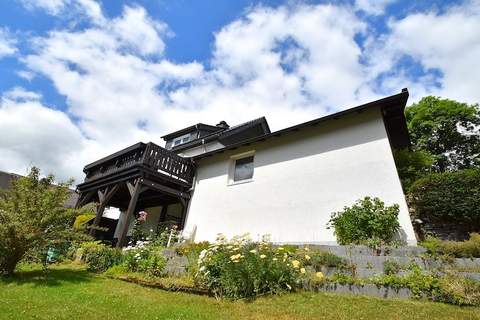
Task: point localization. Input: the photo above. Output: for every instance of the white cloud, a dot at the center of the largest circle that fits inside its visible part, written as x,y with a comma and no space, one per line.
373,7
7,43
289,64
20,94
51,6
446,42
27,75
33,134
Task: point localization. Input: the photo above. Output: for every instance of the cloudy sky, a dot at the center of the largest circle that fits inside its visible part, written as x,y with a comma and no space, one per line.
80,79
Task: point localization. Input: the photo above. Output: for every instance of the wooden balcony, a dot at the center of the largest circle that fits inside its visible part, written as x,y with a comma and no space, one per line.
141,157
141,176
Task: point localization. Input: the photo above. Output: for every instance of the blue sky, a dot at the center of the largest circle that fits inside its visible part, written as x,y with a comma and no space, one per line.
82,78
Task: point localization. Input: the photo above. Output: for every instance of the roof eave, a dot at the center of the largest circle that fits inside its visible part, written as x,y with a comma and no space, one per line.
399,100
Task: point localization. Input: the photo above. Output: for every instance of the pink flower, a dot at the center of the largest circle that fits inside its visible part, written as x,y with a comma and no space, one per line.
142,216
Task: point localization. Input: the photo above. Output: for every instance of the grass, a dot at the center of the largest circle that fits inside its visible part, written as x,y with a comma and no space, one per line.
69,292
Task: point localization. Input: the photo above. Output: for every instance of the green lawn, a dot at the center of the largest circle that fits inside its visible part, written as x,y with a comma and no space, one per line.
69,292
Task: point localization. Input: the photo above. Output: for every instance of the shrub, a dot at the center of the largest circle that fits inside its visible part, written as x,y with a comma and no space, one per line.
459,249
368,219
147,259
98,256
241,268
192,248
319,259
460,291
449,198
391,267
82,220
33,219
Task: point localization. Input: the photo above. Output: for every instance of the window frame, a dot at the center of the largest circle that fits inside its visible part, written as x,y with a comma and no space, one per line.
231,168
180,140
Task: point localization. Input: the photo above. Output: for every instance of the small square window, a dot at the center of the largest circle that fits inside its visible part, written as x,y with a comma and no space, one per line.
243,169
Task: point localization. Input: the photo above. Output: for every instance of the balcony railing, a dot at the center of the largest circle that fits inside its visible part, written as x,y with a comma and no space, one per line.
142,155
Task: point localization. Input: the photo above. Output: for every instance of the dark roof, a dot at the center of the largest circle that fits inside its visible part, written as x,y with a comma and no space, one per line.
393,113
6,182
226,135
186,130
6,179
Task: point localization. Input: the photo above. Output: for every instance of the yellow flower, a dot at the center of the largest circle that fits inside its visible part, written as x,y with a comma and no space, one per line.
263,256
319,275
307,257
306,249
296,264
253,251
274,259
235,257
280,248
302,270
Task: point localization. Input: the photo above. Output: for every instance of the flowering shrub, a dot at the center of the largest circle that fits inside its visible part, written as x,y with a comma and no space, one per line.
241,268
145,258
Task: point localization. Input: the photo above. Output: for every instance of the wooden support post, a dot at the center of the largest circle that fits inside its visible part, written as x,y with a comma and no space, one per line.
184,214
134,193
163,213
104,197
83,199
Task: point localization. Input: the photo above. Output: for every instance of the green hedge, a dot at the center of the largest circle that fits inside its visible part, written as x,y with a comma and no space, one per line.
449,198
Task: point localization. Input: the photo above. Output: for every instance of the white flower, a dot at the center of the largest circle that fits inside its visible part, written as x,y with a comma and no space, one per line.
202,254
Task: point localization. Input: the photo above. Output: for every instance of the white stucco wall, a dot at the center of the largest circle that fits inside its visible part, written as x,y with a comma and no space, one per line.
299,179
214,145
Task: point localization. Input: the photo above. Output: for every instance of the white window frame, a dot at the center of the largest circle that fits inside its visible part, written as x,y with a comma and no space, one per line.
231,168
174,144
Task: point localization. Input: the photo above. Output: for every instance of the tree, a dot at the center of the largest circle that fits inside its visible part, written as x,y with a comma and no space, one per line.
447,129
412,165
33,219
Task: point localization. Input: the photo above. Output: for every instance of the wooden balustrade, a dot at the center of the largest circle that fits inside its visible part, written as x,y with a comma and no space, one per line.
148,155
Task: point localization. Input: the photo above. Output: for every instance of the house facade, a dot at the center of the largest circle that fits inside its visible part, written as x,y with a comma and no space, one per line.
247,179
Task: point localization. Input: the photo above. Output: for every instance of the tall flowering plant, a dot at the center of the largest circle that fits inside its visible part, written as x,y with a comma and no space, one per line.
241,268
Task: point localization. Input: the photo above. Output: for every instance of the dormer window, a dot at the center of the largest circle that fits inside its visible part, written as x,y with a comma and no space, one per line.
181,140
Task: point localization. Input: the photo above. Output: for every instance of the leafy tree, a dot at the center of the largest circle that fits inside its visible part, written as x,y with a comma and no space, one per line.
412,165
33,219
447,129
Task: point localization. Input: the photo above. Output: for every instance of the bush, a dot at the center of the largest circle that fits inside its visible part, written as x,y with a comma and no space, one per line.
391,267
449,198
192,248
99,257
460,291
320,259
146,259
241,268
33,219
367,221
459,249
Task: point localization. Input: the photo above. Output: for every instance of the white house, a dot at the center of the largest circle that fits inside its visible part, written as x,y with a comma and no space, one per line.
246,179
